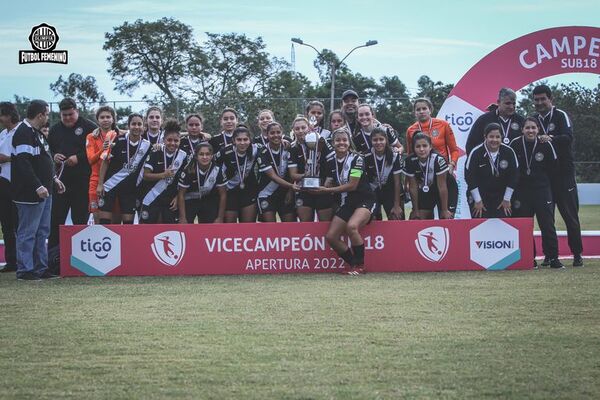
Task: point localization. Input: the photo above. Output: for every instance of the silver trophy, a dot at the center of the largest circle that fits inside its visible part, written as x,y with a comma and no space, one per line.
311,178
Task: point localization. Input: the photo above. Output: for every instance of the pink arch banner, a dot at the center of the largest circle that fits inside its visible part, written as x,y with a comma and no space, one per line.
529,58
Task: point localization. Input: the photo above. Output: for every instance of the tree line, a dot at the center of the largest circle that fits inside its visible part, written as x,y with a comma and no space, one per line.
234,70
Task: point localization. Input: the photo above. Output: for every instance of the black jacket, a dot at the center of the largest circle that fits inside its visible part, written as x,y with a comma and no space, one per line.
32,165
492,178
511,128
537,162
557,124
71,141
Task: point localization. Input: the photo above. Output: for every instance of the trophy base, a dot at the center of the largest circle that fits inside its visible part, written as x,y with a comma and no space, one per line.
311,183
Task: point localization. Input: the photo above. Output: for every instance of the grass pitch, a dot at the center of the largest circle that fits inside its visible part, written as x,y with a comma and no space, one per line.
473,335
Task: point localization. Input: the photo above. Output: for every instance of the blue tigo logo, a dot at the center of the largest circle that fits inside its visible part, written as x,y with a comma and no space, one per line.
96,250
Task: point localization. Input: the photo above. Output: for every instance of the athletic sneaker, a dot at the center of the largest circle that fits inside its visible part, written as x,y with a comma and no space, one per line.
355,271
28,276
578,261
546,262
49,275
535,265
556,264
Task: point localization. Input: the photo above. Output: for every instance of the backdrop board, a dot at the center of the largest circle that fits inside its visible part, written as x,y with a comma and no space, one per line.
273,248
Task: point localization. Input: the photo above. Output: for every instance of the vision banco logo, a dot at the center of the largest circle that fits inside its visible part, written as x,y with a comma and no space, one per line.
494,244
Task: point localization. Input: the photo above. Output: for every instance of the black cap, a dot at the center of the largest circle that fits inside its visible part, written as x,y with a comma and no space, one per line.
349,92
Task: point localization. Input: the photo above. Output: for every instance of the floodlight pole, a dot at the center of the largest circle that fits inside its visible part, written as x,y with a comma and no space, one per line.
333,65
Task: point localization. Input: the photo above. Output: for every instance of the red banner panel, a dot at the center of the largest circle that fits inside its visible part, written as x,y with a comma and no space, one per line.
274,248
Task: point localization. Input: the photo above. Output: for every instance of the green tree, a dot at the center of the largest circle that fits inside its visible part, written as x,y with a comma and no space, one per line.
154,53
583,107
236,71
365,86
392,103
84,90
21,103
434,91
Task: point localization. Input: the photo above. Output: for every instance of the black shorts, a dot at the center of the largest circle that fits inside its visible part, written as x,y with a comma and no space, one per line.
152,214
240,198
385,199
346,211
206,210
314,201
431,199
276,203
127,202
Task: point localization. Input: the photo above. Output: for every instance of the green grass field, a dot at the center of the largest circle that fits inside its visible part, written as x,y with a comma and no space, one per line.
460,335
589,217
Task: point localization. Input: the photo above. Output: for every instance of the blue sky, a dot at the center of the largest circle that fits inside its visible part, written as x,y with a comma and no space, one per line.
442,39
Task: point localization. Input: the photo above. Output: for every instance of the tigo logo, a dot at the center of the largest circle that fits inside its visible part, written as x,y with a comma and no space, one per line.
169,247
432,243
96,250
494,244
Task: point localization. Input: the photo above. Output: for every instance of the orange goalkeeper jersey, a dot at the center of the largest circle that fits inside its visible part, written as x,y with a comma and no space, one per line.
441,135
94,148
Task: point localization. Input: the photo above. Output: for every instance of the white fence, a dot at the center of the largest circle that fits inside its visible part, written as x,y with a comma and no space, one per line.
589,193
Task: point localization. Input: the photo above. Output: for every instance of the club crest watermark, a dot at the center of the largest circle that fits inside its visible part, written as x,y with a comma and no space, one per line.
43,39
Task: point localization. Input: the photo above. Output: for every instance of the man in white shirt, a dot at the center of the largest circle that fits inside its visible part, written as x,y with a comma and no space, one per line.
9,118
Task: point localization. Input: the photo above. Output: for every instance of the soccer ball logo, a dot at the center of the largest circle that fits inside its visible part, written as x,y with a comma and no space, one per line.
169,247
433,243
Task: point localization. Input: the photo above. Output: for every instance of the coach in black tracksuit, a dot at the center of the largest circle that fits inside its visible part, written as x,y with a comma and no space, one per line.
558,130
491,173
67,144
504,114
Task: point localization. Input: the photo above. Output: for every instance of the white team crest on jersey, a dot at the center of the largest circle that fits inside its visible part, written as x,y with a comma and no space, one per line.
503,164
433,243
539,157
551,126
514,126
169,247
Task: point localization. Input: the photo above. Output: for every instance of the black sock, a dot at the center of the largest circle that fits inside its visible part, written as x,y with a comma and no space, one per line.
359,254
105,221
128,222
347,256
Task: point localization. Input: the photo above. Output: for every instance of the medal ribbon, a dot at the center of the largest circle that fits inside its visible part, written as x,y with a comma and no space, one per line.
493,164
529,160
426,171
337,171
542,120
241,173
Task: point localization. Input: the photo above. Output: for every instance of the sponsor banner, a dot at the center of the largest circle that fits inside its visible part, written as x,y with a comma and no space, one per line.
527,59
267,248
